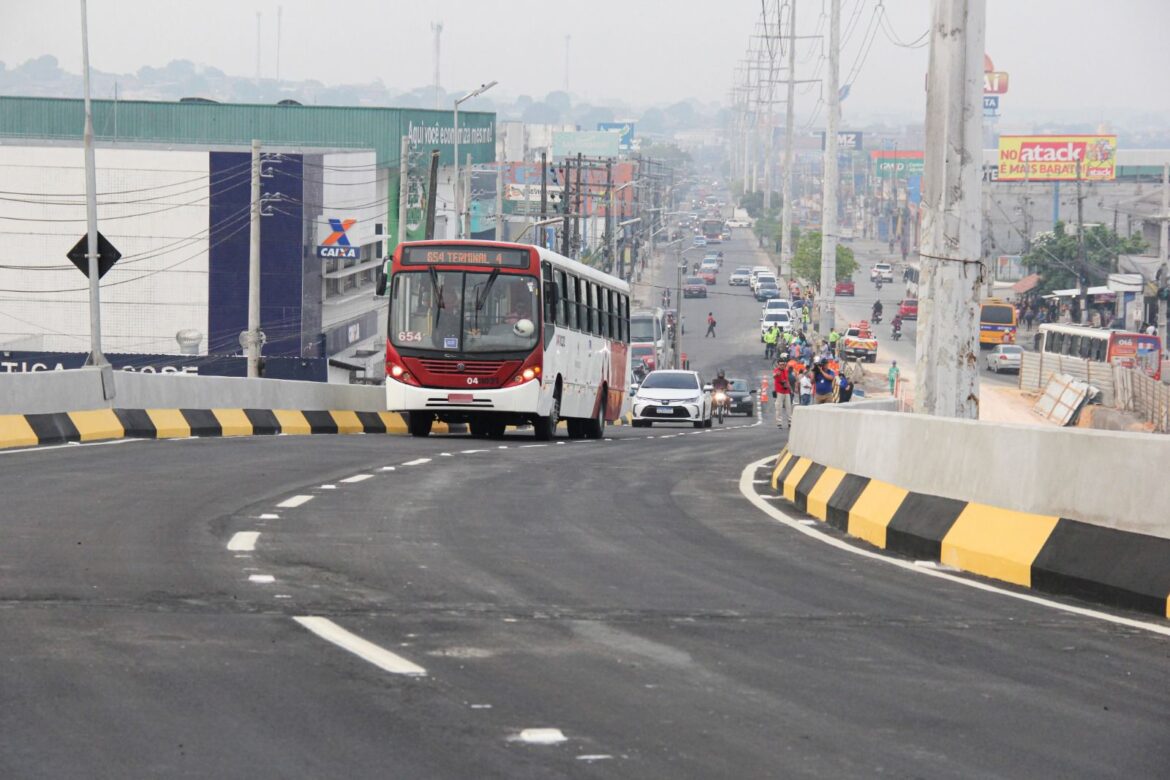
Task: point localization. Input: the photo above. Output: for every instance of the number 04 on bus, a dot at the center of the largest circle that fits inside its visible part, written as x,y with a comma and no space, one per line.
496,334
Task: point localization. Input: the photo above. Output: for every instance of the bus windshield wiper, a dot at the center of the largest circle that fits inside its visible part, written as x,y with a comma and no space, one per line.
481,301
438,294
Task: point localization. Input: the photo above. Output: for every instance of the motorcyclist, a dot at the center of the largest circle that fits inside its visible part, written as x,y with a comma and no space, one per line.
896,323
721,382
876,316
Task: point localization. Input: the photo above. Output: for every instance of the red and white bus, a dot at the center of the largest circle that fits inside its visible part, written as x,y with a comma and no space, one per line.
1115,347
491,334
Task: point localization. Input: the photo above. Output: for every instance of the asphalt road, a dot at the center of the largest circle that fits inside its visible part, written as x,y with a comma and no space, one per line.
621,591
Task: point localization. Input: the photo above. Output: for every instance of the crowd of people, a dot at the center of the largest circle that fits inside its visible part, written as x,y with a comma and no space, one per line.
804,375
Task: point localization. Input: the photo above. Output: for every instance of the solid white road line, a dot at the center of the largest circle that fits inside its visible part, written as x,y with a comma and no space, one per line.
745,488
243,541
363,649
295,501
417,462
262,579
357,478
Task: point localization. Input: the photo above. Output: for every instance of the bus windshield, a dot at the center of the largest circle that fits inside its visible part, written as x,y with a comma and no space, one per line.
642,329
464,311
994,314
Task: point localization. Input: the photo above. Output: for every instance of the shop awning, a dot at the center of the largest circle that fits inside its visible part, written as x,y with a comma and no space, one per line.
1026,284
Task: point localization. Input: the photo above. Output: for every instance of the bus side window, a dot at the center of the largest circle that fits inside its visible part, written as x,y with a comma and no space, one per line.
1100,349
626,319
614,313
1071,344
563,286
571,302
594,320
1053,342
602,312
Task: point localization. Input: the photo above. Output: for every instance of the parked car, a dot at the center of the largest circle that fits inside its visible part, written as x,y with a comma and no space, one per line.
1005,357
908,309
844,287
695,287
740,277
672,396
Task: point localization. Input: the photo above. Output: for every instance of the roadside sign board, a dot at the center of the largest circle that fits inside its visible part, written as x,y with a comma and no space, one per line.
107,255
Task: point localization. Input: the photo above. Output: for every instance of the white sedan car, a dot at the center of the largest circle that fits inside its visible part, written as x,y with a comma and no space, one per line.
672,396
1005,357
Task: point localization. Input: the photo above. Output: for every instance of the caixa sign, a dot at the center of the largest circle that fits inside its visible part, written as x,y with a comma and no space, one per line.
304,369
336,245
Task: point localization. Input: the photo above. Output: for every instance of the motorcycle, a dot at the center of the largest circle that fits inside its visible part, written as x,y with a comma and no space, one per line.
896,332
876,319
720,400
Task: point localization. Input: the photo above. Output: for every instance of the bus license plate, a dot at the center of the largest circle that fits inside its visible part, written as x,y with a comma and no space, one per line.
458,398
666,410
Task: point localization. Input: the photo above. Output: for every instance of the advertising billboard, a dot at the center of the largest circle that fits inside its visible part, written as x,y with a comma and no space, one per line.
623,129
1055,157
897,165
596,143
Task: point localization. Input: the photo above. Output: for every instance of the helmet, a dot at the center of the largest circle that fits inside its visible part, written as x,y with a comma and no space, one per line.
721,373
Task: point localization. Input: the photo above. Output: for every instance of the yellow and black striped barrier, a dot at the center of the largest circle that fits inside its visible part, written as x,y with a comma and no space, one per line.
1047,553
30,430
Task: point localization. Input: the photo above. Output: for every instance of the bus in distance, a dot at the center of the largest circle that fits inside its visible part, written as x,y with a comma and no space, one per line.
712,230
997,323
493,334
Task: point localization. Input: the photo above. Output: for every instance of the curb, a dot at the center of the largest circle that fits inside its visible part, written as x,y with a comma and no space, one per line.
31,430
1045,553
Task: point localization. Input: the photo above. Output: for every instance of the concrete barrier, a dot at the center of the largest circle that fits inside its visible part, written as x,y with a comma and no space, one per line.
45,392
1110,479
1045,552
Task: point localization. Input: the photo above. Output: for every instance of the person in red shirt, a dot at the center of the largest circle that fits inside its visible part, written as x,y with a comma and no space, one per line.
782,394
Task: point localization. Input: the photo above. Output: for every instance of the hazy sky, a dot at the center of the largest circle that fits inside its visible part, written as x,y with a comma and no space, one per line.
1084,56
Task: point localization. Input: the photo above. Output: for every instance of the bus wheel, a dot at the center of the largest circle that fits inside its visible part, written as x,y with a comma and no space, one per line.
495,429
478,428
420,424
595,428
545,428
576,428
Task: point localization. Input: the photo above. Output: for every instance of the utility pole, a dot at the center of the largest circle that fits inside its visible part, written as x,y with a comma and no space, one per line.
946,380
543,188
577,206
565,199
403,188
831,181
1082,261
786,248
1163,249
676,346
95,308
500,231
432,193
610,232
465,215
253,336
437,29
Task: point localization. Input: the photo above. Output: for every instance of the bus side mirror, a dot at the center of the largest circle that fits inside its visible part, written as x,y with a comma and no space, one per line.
380,280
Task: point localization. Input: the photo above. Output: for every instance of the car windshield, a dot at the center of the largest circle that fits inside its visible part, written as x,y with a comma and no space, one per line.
767,286
464,311
739,385
776,317
910,303
1011,350
694,280
642,350
670,381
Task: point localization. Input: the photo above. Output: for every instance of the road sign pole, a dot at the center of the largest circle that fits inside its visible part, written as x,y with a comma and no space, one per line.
96,358
253,333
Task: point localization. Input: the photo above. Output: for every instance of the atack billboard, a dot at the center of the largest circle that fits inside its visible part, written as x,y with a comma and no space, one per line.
1055,157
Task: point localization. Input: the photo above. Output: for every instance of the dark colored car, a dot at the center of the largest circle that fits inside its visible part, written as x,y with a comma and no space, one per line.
767,291
695,288
844,287
742,400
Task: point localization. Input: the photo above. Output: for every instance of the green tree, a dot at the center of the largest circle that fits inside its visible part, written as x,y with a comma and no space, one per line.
1056,256
806,263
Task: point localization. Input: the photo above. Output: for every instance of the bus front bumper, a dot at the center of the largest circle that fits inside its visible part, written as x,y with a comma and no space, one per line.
458,405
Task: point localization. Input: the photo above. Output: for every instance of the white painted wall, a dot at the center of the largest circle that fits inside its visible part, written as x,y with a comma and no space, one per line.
152,205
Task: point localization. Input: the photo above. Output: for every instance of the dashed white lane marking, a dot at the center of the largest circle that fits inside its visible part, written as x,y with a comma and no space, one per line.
471,452
363,649
261,579
357,478
269,516
387,468
243,541
745,488
445,455
761,481
481,706
329,487
417,462
502,447
560,442
295,501
594,757
540,737
522,446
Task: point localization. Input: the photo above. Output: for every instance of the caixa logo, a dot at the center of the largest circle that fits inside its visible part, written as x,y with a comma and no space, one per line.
336,244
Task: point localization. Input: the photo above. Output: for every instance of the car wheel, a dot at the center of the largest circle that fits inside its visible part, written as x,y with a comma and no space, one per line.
698,423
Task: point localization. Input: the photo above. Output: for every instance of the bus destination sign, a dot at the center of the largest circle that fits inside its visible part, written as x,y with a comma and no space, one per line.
465,255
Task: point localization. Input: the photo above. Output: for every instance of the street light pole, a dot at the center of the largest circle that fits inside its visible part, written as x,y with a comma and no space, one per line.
459,200
96,358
